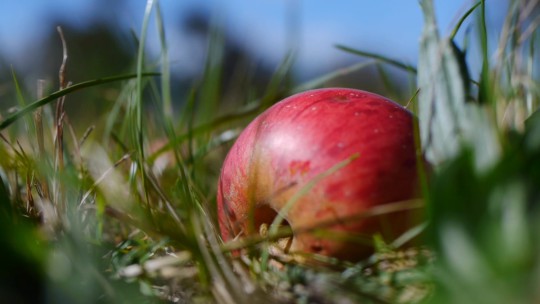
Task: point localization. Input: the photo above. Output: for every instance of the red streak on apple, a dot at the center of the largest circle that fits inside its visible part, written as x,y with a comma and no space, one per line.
302,137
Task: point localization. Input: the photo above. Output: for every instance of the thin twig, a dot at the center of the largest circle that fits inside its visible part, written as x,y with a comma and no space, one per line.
86,134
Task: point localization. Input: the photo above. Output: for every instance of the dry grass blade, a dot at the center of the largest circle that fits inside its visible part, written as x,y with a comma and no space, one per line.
86,134
287,232
101,178
38,122
276,223
58,195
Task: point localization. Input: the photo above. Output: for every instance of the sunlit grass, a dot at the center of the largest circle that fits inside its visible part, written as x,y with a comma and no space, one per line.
125,212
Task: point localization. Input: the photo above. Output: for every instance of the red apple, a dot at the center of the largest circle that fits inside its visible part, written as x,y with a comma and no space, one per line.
301,138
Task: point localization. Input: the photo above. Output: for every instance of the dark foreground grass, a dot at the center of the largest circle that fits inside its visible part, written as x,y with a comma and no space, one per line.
125,211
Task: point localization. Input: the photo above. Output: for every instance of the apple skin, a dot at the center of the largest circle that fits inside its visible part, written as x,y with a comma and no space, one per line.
304,136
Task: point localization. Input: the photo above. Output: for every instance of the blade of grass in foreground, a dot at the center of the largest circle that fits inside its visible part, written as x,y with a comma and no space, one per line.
276,223
283,232
390,61
530,105
317,82
278,79
22,103
484,93
76,87
448,123
136,111
210,88
167,113
462,19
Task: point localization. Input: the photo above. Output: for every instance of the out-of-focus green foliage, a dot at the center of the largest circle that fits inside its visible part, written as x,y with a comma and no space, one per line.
483,198
120,207
23,254
485,225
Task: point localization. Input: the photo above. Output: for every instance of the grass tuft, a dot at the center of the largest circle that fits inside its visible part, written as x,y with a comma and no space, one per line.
125,210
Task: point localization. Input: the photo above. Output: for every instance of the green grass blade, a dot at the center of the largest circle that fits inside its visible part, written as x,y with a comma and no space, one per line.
184,181
137,111
387,60
278,80
462,19
252,240
138,106
248,112
20,98
76,87
312,183
165,68
530,105
280,217
22,103
112,120
484,93
320,81
211,85
389,85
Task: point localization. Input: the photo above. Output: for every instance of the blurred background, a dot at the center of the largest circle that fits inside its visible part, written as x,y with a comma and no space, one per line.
255,36
237,44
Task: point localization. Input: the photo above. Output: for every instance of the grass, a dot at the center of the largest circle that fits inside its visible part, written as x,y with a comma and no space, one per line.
125,211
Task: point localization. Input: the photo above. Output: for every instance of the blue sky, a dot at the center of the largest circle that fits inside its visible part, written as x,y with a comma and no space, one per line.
389,27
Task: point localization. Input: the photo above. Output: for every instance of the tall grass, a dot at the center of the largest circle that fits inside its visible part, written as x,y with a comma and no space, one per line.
127,213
